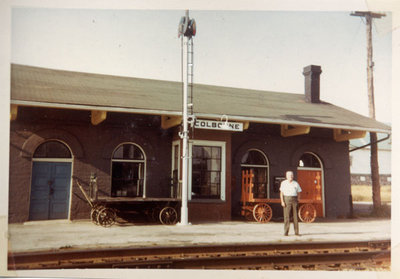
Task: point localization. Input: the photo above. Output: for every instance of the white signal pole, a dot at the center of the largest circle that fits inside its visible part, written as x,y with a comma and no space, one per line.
187,29
185,137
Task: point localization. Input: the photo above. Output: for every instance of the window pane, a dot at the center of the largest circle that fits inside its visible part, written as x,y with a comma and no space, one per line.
127,179
260,181
176,157
215,189
137,154
216,152
52,149
118,154
197,152
309,160
206,172
207,152
128,152
214,164
254,157
260,175
215,177
198,163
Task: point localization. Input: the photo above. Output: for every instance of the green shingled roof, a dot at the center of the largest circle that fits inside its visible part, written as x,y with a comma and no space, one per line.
34,86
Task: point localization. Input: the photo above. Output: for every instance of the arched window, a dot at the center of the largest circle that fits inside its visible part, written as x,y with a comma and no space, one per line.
128,168
309,160
256,160
52,149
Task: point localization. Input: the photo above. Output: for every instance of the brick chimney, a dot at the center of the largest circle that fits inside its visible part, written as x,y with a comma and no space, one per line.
311,78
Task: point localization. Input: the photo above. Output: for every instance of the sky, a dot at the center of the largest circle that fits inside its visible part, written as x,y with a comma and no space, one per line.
264,50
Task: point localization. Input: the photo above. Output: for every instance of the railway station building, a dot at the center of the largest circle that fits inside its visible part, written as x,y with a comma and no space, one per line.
67,126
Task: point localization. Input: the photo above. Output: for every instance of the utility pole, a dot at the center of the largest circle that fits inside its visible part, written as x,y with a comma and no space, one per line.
376,193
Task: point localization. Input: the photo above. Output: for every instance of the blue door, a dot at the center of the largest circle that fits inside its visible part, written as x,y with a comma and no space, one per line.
50,191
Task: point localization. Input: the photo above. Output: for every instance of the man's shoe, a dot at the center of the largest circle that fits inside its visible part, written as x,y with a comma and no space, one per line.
285,234
298,234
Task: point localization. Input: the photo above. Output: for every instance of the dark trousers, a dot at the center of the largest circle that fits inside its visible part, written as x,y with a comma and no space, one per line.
291,205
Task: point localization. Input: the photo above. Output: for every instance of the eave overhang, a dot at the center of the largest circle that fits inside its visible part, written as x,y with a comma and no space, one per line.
198,115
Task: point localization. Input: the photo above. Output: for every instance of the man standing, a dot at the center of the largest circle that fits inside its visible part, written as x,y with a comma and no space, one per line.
289,200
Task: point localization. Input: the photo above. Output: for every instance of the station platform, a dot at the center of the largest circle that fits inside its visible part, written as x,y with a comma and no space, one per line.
54,235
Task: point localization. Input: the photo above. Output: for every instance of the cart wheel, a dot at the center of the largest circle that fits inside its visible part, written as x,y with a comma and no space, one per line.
168,216
307,213
262,213
95,212
106,217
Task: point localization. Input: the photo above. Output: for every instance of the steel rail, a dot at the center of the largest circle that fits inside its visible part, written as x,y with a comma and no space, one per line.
241,262
177,257
233,262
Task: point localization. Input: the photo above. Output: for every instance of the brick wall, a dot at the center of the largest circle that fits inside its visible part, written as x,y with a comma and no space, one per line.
92,148
284,153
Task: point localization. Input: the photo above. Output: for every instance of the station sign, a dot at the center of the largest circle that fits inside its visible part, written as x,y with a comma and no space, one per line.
218,125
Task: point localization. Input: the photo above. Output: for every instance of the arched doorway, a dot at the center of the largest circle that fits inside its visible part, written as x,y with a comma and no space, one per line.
310,177
128,171
51,181
257,161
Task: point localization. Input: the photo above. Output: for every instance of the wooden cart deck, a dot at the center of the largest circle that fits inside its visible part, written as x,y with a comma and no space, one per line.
134,199
301,201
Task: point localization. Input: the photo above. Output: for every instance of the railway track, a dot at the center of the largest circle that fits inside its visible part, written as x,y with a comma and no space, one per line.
360,255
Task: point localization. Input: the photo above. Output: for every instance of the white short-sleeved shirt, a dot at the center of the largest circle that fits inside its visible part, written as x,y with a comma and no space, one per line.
290,188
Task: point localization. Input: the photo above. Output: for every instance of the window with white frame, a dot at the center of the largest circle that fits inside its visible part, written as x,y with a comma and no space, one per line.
128,171
207,170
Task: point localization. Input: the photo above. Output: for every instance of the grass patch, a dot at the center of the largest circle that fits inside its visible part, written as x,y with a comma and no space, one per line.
364,193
